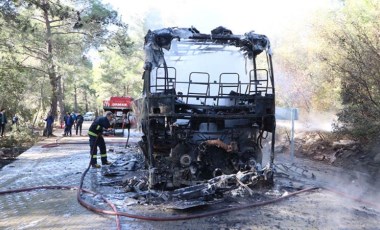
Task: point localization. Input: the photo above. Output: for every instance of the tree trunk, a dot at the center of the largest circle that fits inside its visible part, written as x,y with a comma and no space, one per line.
51,67
61,106
54,97
85,100
75,98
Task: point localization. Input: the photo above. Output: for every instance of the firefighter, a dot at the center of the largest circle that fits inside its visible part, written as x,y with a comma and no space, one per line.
96,139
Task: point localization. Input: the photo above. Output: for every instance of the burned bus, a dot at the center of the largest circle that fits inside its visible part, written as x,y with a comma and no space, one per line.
208,102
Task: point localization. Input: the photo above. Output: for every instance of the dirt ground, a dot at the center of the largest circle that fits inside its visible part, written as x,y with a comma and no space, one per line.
341,153
346,197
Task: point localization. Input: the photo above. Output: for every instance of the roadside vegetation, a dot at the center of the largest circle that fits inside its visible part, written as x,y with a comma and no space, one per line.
16,141
332,67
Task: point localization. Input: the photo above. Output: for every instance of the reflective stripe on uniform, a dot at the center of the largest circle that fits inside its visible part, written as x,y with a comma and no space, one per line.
103,155
98,127
94,156
92,133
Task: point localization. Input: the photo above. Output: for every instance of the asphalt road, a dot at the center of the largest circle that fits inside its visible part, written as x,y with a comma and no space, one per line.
350,204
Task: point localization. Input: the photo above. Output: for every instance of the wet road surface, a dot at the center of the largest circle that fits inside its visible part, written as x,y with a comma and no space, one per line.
64,164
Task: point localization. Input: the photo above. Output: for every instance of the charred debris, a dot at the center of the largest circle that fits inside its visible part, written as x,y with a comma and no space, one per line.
208,102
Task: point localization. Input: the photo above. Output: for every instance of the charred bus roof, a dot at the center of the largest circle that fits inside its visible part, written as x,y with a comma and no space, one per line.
251,44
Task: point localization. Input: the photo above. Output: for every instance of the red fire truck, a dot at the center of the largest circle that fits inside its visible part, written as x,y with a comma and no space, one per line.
121,107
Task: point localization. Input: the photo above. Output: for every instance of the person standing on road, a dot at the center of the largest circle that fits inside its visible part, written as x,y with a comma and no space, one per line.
3,121
74,116
49,124
79,122
96,139
69,121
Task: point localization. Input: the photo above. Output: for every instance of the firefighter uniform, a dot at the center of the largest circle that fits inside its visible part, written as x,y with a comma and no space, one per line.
96,139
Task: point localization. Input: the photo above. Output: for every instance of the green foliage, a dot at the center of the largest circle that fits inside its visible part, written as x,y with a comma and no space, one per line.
99,13
21,137
301,79
120,75
121,68
43,46
353,57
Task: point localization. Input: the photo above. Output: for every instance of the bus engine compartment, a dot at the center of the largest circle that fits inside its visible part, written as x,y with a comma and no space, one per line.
208,102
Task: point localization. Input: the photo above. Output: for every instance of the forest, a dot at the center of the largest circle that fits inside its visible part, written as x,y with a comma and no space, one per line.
47,62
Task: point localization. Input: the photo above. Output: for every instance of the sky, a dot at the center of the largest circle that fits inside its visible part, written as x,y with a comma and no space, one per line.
268,17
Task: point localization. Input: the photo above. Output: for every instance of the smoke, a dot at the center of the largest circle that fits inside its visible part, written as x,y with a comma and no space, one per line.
353,192
347,198
314,121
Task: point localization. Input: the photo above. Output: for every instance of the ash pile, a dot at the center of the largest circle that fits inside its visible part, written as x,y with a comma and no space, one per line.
139,182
